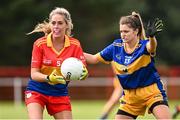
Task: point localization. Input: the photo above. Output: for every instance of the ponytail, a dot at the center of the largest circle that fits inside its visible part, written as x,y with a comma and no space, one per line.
142,34
41,27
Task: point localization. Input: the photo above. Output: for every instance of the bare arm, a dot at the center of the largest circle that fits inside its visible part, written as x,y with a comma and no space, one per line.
91,59
151,45
153,28
37,75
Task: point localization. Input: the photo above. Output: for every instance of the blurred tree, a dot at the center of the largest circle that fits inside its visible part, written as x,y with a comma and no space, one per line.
96,24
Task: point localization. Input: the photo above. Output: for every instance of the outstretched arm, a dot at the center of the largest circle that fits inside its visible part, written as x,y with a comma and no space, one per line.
91,59
152,29
151,45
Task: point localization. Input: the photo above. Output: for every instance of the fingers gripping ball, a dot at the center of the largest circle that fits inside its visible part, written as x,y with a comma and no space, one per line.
154,27
53,78
72,68
84,74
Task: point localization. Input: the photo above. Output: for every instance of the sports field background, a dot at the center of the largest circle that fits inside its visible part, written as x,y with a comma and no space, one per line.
82,109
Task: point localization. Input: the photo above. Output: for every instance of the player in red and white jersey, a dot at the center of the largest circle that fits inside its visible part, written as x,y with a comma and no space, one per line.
46,86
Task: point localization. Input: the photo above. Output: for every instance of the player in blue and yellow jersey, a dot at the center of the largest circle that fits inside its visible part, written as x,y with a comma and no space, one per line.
46,87
133,58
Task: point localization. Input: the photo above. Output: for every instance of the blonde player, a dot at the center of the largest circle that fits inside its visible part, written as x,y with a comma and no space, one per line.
46,87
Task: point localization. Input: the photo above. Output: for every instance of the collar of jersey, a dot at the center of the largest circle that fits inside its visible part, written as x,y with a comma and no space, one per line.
49,41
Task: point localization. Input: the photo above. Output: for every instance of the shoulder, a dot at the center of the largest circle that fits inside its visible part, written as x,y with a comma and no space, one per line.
40,41
74,41
118,42
144,41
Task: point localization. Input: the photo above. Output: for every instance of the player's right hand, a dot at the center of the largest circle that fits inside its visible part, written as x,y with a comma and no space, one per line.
55,79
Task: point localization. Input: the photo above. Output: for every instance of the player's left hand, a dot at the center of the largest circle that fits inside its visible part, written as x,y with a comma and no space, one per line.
154,27
55,79
84,74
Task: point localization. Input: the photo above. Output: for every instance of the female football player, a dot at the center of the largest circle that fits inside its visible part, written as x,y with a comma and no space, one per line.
133,58
113,100
46,87
177,111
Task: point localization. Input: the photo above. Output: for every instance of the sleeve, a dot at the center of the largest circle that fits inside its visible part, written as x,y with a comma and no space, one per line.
78,53
116,82
107,53
37,55
153,54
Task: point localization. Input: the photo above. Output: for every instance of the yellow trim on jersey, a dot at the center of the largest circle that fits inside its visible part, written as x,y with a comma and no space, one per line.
75,42
142,61
48,70
116,82
101,59
67,41
49,43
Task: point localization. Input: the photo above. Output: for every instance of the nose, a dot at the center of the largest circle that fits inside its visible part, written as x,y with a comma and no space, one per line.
56,24
122,35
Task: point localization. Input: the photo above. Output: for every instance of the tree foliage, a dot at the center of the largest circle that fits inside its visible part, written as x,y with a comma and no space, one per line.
96,23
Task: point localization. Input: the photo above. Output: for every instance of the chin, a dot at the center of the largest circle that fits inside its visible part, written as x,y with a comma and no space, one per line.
56,36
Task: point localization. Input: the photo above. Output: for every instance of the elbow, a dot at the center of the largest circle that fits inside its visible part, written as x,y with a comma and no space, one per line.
32,76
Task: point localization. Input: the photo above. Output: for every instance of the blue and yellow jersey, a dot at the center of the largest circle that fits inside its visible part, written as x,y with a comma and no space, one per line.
46,58
133,70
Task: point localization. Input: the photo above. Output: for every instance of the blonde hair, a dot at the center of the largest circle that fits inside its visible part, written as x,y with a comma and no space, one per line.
45,27
134,21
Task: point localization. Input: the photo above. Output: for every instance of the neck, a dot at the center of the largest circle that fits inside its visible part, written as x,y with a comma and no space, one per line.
58,39
131,45
58,42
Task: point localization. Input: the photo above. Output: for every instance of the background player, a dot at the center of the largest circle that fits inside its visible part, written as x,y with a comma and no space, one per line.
113,100
177,111
46,87
133,58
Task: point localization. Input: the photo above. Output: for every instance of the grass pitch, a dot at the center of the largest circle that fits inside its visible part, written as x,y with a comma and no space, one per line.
82,109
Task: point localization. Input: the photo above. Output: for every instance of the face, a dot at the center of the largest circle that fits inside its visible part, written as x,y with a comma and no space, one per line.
58,25
128,34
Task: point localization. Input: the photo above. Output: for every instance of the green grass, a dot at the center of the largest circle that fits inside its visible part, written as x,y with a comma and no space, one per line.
82,109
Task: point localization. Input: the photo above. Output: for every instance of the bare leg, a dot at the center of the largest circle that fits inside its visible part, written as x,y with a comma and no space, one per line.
123,117
111,102
35,111
162,112
63,115
177,110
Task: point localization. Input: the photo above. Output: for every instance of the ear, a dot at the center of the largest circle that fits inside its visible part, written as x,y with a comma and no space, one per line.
136,31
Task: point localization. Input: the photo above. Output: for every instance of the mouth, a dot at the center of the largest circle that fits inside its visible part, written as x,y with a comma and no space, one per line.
56,31
124,40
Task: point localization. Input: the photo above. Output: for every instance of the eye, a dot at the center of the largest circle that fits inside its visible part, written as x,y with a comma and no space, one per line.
60,22
53,22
